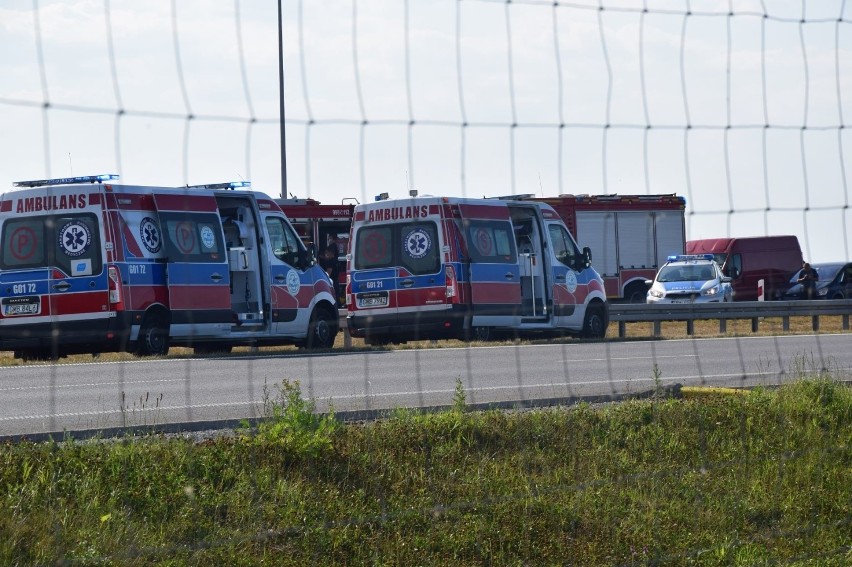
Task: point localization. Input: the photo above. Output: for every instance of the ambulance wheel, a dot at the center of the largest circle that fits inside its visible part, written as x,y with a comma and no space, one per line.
376,340
594,324
482,334
322,329
153,337
203,349
35,355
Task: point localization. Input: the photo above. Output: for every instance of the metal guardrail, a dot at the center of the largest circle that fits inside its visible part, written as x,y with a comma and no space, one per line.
623,313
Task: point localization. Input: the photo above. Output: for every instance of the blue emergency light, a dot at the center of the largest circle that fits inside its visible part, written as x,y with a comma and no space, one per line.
67,180
227,185
382,197
686,257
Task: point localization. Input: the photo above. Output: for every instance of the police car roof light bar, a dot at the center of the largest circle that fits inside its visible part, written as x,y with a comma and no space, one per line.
228,185
686,257
67,180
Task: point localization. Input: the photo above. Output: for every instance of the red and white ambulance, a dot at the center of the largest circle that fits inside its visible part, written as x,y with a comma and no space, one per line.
447,267
88,265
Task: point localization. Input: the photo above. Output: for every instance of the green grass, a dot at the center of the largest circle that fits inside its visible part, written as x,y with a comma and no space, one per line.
756,479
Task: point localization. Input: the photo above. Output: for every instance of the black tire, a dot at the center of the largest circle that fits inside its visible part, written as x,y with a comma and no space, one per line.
594,323
376,340
322,329
205,349
153,337
481,334
636,294
35,355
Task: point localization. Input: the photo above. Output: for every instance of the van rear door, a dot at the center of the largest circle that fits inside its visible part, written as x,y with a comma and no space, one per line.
197,265
373,280
494,270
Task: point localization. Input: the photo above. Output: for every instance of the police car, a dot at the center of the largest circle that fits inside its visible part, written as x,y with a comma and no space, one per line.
689,279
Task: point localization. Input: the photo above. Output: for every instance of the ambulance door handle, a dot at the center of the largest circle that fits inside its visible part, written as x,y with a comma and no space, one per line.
510,276
407,282
280,278
62,286
560,278
215,277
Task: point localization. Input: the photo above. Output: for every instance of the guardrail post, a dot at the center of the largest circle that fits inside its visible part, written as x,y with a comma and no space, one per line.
755,323
723,326
622,329
815,322
347,338
657,330
845,319
690,327
785,323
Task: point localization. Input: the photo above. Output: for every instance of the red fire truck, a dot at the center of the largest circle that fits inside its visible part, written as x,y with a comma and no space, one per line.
323,225
630,235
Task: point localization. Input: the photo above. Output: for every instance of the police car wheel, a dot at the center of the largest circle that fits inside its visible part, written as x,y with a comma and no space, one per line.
322,330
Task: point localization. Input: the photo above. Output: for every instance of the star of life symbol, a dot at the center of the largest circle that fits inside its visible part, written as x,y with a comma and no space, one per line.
150,234
417,243
74,238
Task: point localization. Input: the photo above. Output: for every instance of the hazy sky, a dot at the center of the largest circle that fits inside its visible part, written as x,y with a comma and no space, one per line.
742,113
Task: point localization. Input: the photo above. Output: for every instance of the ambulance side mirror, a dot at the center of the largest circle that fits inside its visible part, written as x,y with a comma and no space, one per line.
585,259
307,257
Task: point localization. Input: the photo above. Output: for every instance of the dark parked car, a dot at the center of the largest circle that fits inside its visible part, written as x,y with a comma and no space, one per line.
835,282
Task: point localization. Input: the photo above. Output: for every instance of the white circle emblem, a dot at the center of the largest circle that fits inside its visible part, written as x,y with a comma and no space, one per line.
74,238
571,281
417,243
208,239
293,283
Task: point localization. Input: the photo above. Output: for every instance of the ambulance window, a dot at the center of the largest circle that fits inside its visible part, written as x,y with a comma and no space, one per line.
491,242
77,248
373,248
564,248
69,243
419,250
193,237
283,240
23,243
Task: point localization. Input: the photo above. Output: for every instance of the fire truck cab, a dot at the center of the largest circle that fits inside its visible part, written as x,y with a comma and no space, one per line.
88,265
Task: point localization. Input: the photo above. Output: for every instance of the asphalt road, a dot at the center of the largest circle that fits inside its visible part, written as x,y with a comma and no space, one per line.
39,399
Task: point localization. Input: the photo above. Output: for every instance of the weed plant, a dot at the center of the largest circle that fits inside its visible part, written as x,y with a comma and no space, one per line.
758,479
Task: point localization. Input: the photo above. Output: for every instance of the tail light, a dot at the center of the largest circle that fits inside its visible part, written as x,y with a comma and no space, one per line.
348,292
114,285
451,283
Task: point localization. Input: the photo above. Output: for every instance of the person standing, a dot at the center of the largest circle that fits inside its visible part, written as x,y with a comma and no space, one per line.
808,278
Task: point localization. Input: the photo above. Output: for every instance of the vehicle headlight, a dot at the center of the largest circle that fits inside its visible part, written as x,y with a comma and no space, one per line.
823,291
715,290
654,292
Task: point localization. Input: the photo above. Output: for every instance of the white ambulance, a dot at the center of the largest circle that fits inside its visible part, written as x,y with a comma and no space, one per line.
88,265
446,267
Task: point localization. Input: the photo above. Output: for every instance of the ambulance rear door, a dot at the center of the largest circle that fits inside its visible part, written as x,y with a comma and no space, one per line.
196,264
53,271
494,270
